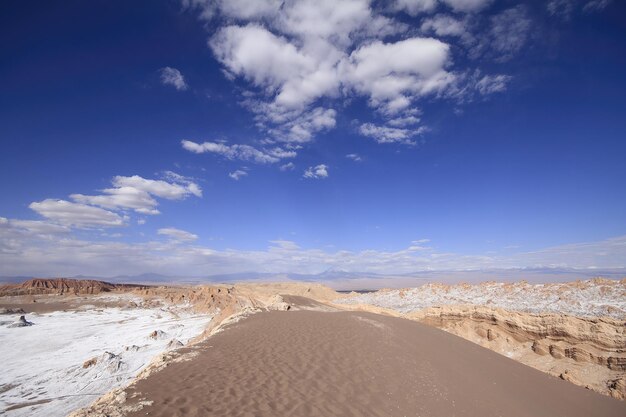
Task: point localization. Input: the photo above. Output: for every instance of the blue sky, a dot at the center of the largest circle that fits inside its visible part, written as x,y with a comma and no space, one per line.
199,137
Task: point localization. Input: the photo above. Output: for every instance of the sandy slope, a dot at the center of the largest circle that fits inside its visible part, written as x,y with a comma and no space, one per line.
574,330
310,363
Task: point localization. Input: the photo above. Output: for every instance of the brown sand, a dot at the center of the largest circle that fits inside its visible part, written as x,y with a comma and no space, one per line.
310,363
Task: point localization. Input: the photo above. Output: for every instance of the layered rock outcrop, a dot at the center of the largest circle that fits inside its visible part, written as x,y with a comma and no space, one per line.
62,286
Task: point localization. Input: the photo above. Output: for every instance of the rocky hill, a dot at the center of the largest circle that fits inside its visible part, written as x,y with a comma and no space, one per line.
596,297
39,286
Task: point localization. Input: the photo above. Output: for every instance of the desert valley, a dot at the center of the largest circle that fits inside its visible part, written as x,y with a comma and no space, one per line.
89,348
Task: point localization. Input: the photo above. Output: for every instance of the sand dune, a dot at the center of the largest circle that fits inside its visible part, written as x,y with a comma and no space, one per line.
574,330
310,363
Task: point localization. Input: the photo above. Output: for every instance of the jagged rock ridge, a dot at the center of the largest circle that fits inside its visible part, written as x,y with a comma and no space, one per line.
38,286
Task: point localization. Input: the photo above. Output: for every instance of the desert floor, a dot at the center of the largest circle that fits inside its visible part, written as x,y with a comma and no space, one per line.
322,363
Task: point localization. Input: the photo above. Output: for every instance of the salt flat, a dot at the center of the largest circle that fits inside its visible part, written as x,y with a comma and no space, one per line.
42,365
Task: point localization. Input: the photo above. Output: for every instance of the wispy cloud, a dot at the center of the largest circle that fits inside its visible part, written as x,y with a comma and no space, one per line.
386,134
238,174
77,215
289,166
59,254
177,234
566,8
239,152
172,76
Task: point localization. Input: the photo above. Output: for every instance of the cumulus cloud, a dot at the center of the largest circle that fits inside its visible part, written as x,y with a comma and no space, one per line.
138,193
238,174
172,76
103,210
177,234
393,75
294,54
355,157
300,61
316,172
77,215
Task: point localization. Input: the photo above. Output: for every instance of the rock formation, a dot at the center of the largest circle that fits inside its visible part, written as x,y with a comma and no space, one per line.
21,322
37,286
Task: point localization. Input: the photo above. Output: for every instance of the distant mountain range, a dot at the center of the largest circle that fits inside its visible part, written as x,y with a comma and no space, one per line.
345,279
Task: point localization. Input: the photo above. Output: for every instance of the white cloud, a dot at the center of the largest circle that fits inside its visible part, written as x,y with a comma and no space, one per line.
386,134
294,55
282,153
316,172
172,76
289,166
509,32
394,74
268,61
60,255
415,7
403,121
490,84
77,215
355,157
177,234
444,25
137,193
302,128
301,61
32,227
159,188
238,174
238,152
476,85
286,245
596,5
566,8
